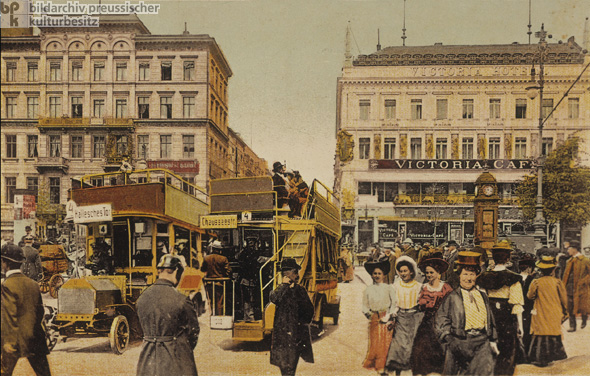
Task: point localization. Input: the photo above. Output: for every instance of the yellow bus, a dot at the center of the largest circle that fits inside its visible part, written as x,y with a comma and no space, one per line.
131,219
256,236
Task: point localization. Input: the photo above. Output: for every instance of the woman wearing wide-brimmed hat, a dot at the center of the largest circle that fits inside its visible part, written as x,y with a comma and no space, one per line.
427,353
504,290
549,311
378,306
408,317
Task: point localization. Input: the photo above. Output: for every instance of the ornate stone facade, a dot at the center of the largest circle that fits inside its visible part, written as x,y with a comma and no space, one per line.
441,115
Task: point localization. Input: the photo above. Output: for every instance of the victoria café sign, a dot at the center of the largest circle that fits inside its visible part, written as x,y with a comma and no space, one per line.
451,164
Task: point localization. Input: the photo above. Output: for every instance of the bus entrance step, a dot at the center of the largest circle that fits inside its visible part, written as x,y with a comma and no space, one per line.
248,331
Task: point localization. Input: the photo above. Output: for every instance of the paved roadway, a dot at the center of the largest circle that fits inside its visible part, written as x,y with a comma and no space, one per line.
339,351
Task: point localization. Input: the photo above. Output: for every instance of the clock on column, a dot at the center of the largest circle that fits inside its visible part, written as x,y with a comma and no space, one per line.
485,211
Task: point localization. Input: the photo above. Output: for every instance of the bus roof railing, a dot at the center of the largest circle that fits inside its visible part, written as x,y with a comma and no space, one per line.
147,176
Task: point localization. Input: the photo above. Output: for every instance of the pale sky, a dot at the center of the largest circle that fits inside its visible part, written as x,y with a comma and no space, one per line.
286,55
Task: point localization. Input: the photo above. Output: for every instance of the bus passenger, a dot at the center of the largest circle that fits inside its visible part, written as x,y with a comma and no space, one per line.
251,260
216,266
297,195
280,184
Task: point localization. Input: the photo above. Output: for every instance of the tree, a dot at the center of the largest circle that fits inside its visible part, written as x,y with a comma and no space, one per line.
566,188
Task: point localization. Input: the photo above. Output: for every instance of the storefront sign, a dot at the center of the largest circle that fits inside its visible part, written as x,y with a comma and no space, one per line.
451,164
176,166
219,221
387,233
93,213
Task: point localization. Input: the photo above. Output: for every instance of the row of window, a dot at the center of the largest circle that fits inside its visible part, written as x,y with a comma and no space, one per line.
33,185
468,112
121,74
98,108
442,148
98,146
386,191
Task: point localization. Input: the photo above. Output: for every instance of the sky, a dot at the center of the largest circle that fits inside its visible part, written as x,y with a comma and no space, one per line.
286,55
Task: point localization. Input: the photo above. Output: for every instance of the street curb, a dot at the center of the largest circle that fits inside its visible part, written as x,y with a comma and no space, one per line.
363,275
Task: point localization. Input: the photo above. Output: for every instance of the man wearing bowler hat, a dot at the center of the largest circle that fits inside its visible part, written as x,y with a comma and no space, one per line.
280,184
291,338
464,324
576,278
22,316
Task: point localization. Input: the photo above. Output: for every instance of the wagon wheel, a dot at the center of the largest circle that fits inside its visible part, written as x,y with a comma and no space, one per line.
55,283
51,335
43,286
119,335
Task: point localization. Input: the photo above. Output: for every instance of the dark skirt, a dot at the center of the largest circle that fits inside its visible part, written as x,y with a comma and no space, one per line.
379,340
507,327
546,349
400,350
427,353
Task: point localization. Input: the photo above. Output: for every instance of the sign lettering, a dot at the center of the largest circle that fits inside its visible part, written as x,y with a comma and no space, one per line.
219,221
449,164
176,166
93,213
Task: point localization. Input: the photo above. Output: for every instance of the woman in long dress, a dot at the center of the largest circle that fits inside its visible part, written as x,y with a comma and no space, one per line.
378,306
549,311
408,317
427,353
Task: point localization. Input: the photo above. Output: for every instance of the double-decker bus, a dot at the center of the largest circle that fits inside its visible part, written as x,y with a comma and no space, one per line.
131,219
257,236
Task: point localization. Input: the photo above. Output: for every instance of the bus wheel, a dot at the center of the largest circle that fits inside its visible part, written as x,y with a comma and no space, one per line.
55,283
119,335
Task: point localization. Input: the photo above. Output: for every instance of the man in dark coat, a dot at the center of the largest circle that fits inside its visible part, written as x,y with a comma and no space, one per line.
464,324
22,316
32,266
280,184
216,266
291,338
170,324
576,278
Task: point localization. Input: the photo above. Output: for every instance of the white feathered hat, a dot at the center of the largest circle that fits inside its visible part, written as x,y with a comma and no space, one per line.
409,260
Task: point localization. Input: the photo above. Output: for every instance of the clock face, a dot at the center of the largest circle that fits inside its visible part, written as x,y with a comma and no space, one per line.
488,190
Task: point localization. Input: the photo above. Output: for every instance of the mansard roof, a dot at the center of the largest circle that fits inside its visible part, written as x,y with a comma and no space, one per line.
503,54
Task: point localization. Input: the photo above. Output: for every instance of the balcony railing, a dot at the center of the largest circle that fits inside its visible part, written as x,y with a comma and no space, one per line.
63,122
52,163
444,199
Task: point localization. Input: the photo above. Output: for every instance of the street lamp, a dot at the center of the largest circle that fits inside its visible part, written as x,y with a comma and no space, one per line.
532,92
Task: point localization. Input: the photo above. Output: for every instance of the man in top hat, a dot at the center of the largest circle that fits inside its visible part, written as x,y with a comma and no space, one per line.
32,266
291,338
576,278
169,322
464,324
280,184
22,316
450,254
504,290
216,266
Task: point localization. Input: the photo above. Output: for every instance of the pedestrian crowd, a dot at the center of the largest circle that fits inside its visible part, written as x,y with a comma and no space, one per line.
453,310
447,310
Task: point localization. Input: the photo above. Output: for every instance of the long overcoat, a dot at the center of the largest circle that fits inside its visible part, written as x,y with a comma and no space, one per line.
22,317
291,338
580,267
171,330
550,307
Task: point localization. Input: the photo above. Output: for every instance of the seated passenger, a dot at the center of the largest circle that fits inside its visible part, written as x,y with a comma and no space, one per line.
297,195
280,184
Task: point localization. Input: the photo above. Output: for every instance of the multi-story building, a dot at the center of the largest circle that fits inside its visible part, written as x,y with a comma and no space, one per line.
417,125
78,101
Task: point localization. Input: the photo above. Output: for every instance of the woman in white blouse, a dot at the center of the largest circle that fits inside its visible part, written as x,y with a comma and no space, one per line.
379,305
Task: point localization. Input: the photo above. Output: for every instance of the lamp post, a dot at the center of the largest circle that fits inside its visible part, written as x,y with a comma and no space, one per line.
532,92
